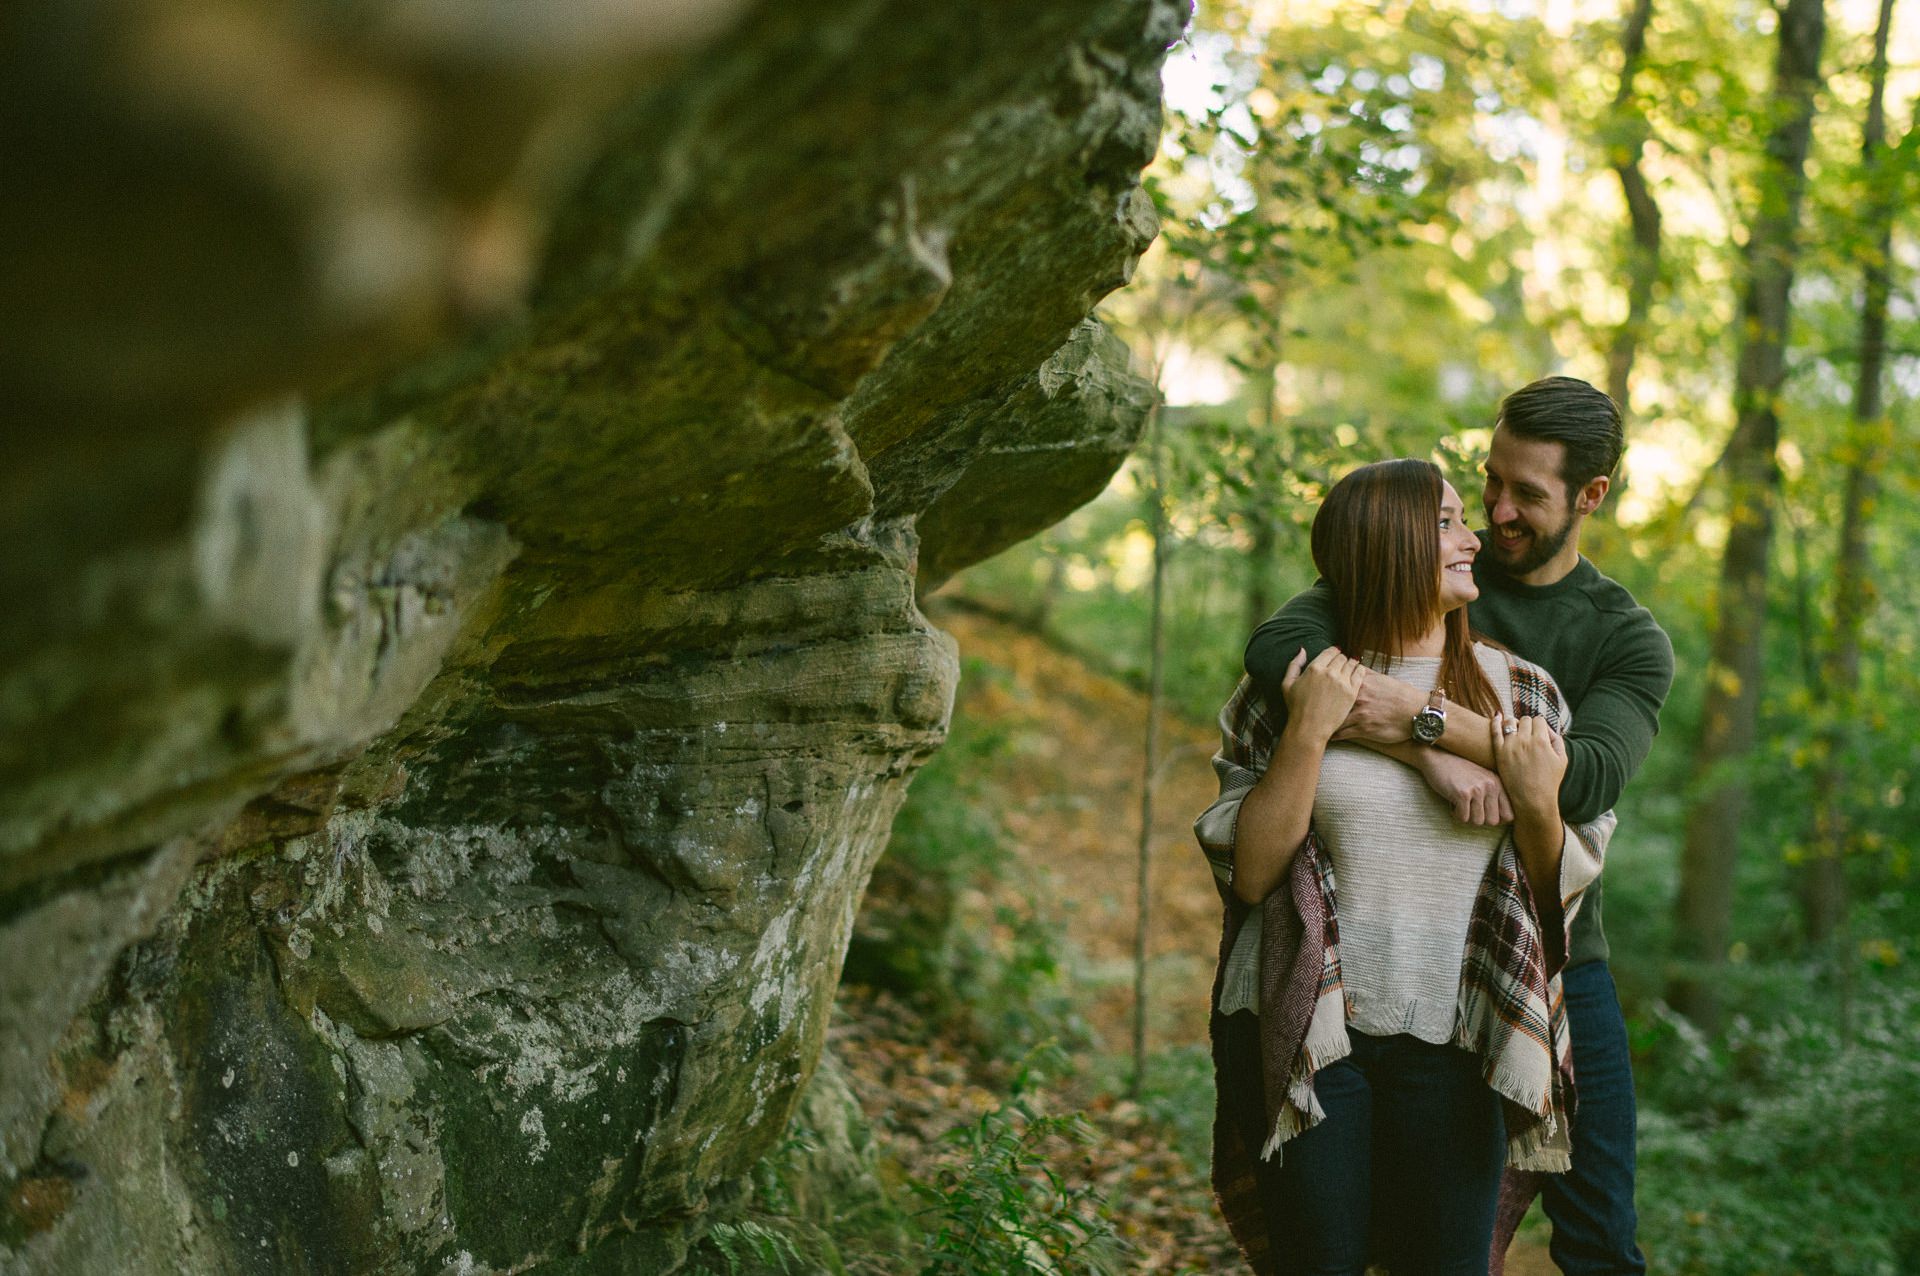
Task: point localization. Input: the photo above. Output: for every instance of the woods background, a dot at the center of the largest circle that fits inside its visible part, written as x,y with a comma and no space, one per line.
1379,219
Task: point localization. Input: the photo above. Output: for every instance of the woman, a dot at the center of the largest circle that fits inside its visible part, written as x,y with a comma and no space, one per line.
1365,1043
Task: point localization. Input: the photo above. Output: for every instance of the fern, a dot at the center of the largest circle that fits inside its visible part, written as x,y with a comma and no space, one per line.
1004,1210
737,1242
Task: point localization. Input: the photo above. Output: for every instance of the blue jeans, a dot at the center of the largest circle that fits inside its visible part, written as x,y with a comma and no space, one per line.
1591,1205
1407,1161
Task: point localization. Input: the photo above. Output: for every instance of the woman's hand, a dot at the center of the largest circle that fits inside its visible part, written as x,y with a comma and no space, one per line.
1276,814
1319,694
1531,759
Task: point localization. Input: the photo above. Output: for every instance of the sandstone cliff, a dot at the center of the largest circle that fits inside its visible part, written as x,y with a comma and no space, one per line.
470,483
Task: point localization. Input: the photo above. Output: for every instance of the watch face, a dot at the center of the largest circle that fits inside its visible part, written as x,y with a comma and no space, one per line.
1429,725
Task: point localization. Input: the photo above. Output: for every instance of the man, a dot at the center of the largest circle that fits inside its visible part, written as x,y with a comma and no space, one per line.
1555,447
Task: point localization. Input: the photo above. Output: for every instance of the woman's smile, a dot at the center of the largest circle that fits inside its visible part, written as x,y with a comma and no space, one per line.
1458,545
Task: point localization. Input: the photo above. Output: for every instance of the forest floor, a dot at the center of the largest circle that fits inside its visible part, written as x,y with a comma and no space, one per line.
1068,777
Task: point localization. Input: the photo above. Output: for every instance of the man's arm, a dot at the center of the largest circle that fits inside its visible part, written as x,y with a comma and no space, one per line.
1383,714
1615,722
1476,793
1612,732
1304,621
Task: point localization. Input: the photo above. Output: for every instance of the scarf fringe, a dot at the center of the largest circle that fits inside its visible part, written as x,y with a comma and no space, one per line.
1526,1077
1327,1040
1543,1147
1519,1081
1327,1043
1290,1122
1299,1111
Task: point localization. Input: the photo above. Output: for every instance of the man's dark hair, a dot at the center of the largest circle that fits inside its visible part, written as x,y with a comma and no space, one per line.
1567,410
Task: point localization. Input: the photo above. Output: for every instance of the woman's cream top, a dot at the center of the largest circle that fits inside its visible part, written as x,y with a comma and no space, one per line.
1405,876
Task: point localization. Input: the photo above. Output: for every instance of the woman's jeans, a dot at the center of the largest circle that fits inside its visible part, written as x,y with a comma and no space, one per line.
1405,1168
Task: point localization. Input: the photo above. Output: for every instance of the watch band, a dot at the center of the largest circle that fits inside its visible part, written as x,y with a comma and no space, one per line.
1431,722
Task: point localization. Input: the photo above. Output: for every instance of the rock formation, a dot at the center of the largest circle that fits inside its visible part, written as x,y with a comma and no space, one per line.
471,475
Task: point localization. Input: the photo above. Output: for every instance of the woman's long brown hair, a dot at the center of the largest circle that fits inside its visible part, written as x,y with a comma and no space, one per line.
1376,540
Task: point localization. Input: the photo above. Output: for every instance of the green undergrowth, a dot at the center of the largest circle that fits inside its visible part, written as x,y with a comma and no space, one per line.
783,1227
995,1205
1784,1146
1788,1143
1002,1206
953,920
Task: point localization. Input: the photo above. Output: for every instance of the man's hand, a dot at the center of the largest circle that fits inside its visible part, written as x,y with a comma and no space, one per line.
1475,793
1383,711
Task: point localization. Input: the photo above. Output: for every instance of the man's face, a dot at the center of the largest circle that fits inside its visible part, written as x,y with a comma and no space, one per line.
1529,509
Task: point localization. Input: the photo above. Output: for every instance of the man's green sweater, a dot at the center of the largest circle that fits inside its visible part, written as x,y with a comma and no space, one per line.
1613,662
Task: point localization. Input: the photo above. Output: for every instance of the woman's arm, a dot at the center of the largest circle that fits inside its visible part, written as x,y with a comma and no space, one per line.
1275,816
1531,758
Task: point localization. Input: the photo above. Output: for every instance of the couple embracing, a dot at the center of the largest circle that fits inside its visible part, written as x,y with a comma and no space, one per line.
1417,778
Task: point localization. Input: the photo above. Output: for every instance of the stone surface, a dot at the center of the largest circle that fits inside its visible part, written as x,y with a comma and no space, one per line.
445,742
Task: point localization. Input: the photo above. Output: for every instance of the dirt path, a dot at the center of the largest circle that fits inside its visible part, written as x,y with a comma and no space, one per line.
1073,783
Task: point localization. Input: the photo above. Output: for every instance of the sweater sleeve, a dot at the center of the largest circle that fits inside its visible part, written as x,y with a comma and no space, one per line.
1305,620
1583,853
1583,848
1617,719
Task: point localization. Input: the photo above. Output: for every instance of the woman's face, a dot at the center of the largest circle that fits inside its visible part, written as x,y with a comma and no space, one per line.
1458,545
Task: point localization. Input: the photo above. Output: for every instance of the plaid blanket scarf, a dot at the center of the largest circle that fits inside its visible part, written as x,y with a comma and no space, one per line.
1510,1013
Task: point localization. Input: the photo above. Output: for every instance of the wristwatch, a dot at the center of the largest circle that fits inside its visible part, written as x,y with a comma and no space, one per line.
1431,722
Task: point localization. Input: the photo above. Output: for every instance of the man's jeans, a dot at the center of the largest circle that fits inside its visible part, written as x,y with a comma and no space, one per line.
1410,1151
1591,1206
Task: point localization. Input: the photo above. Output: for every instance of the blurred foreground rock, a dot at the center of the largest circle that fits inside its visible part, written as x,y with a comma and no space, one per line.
469,472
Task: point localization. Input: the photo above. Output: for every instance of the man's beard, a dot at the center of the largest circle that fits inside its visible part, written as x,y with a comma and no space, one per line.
1540,547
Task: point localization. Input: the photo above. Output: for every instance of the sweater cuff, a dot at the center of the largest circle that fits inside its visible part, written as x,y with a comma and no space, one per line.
1583,851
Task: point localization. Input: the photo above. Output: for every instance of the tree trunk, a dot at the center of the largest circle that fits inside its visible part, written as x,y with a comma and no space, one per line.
1049,592
1732,708
1150,771
1261,598
1823,894
1626,143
